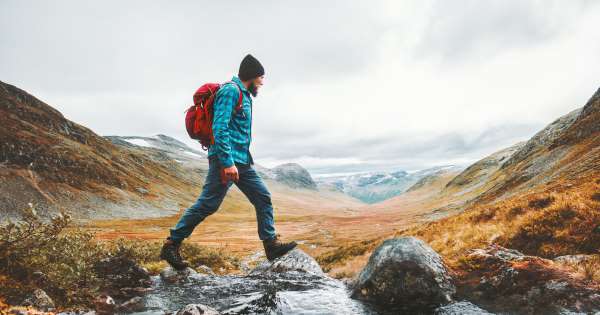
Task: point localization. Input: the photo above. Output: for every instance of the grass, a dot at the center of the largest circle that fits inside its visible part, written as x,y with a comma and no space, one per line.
587,268
542,223
553,221
340,255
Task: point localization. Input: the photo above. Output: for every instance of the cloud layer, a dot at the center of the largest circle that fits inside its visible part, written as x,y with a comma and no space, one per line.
349,86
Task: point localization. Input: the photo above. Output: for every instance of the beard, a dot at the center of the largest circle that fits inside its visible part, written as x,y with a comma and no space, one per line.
253,89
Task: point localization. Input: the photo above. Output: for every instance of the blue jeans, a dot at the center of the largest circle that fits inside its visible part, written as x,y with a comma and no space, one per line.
213,193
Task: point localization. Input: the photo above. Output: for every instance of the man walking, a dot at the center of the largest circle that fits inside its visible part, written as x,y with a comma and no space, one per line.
230,161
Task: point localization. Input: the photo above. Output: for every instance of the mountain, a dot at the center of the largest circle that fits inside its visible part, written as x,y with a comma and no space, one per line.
477,174
375,187
55,164
544,200
540,197
171,148
293,175
290,174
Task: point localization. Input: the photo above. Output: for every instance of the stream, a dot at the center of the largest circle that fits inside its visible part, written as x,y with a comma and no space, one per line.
294,284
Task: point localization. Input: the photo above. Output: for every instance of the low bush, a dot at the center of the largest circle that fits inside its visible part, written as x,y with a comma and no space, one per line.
59,259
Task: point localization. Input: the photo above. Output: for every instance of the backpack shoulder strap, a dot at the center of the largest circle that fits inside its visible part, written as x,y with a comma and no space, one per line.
238,107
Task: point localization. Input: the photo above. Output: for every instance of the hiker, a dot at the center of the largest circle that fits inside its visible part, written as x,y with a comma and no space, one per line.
230,162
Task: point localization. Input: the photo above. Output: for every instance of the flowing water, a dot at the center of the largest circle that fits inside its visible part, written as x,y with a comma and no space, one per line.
292,285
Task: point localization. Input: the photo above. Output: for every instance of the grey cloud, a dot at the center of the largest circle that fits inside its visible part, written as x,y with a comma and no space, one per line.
137,45
396,151
467,30
130,68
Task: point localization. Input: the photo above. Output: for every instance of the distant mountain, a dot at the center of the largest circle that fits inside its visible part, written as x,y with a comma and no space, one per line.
293,175
375,187
162,142
290,174
172,149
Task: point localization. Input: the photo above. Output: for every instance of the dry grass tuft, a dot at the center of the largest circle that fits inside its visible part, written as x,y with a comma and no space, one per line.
343,253
542,223
541,203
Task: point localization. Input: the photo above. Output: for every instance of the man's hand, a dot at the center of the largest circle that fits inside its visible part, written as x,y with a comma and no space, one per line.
232,173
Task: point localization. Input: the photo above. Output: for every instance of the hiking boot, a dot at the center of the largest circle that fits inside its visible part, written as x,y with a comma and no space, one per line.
170,253
274,248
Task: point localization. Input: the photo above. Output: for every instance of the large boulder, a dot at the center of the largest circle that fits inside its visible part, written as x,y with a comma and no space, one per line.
295,260
405,274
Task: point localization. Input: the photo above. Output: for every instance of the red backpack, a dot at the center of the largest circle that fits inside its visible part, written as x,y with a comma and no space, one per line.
199,117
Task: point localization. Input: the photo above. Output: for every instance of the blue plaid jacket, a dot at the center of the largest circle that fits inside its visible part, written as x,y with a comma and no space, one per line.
232,130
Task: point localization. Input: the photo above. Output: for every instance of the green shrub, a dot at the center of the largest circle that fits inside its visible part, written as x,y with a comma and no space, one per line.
51,255
38,253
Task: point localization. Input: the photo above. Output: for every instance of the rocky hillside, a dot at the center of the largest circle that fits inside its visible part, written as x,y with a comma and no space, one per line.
57,164
566,149
543,203
478,173
541,197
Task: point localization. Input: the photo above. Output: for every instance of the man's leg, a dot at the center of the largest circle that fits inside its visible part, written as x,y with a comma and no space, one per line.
255,190
213,193
257,193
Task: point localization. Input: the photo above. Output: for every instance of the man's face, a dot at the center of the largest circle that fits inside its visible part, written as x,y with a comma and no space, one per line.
255,84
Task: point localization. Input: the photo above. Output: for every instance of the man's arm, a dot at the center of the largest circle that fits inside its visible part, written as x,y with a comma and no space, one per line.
226,99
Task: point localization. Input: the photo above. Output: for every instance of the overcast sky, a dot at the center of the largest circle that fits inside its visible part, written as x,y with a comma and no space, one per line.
350,85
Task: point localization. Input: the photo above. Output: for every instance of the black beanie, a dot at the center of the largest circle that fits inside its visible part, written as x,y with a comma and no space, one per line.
250,68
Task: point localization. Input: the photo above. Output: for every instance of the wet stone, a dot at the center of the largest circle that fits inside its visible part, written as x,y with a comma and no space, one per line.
293,284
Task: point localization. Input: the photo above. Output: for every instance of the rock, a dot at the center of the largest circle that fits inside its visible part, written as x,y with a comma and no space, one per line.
205,270
573,259
40,300
295,260
567,312
105,305
461,308
171,275
132,305
122,277
197,309
507,281
405,274
292,284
